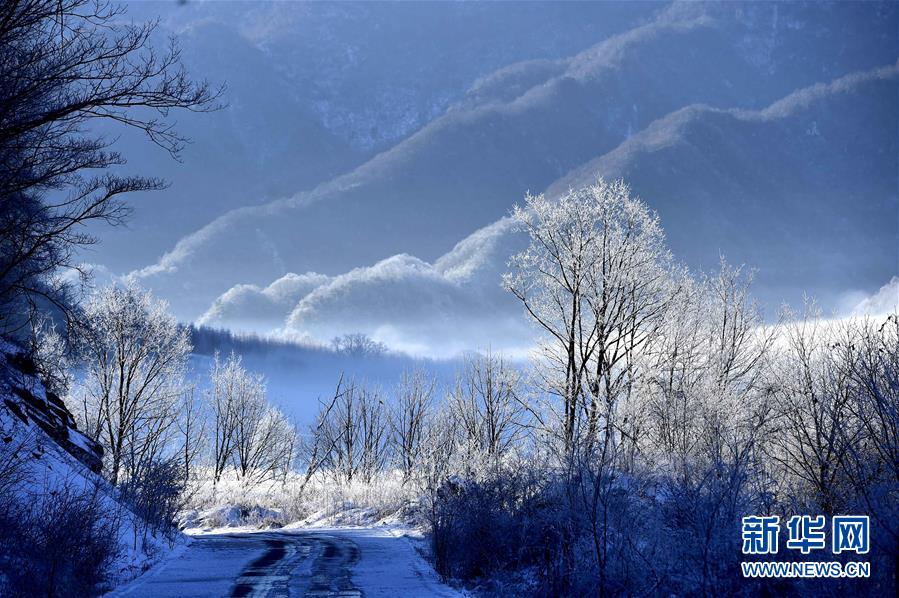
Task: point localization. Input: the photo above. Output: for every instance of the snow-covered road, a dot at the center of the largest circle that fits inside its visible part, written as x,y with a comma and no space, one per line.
333,562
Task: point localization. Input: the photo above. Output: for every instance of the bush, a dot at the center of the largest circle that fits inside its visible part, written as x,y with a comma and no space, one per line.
155,495
527,531
505,523
64,544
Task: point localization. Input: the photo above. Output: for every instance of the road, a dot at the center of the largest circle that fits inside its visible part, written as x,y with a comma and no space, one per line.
335,562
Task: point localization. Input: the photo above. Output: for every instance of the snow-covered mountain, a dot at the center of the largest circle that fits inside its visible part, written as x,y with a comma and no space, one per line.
718,115
315,89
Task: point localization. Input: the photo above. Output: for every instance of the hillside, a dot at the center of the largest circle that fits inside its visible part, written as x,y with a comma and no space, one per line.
523,128
313,90
61,524
819,159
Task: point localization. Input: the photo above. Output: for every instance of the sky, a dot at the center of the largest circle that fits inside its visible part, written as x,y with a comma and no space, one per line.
360,176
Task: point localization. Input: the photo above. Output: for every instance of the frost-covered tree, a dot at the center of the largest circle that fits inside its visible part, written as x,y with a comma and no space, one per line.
135,355
51,354
373,434
671,394
252,427
596,279
703,407
263,441
486,406
813,392
871,461
409,416
192,426
551,279
706,368
342,433
230,382
316,446
247,432
356,429
629,291
440,455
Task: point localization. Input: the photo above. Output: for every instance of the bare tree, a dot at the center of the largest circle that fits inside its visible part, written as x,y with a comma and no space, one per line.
486,406
812,393
135,358
64,64
374,431
871,459
355,429
358,345
342,433
409,418
317,446
192,429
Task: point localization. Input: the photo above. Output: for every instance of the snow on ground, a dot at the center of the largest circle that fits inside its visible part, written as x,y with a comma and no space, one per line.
49,469
364,561
328,539
391,565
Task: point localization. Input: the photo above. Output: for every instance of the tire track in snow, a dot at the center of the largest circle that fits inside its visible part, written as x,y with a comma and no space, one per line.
269,575
332,569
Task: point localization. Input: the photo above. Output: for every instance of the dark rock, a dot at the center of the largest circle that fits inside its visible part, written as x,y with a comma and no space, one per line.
50,414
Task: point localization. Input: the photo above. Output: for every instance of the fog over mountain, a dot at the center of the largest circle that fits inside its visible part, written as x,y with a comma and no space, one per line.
315,89
360,176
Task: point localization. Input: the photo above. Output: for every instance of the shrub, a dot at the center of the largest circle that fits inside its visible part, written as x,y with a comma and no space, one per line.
155,495
503,522
64,544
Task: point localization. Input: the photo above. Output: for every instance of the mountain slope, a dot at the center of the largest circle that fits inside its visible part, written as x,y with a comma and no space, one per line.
804,190
315,89
469,166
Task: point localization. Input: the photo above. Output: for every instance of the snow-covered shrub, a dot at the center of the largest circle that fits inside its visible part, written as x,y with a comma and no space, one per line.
506,520
65,542
233,516
294,499
155,495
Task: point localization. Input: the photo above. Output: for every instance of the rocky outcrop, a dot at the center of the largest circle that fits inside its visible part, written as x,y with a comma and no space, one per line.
25,396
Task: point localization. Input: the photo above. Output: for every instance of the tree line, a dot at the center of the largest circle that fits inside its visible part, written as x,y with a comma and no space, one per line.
135,397
660,409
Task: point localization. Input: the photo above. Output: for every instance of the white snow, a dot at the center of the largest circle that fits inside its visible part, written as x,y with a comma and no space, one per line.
50,468
381,561
391,566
